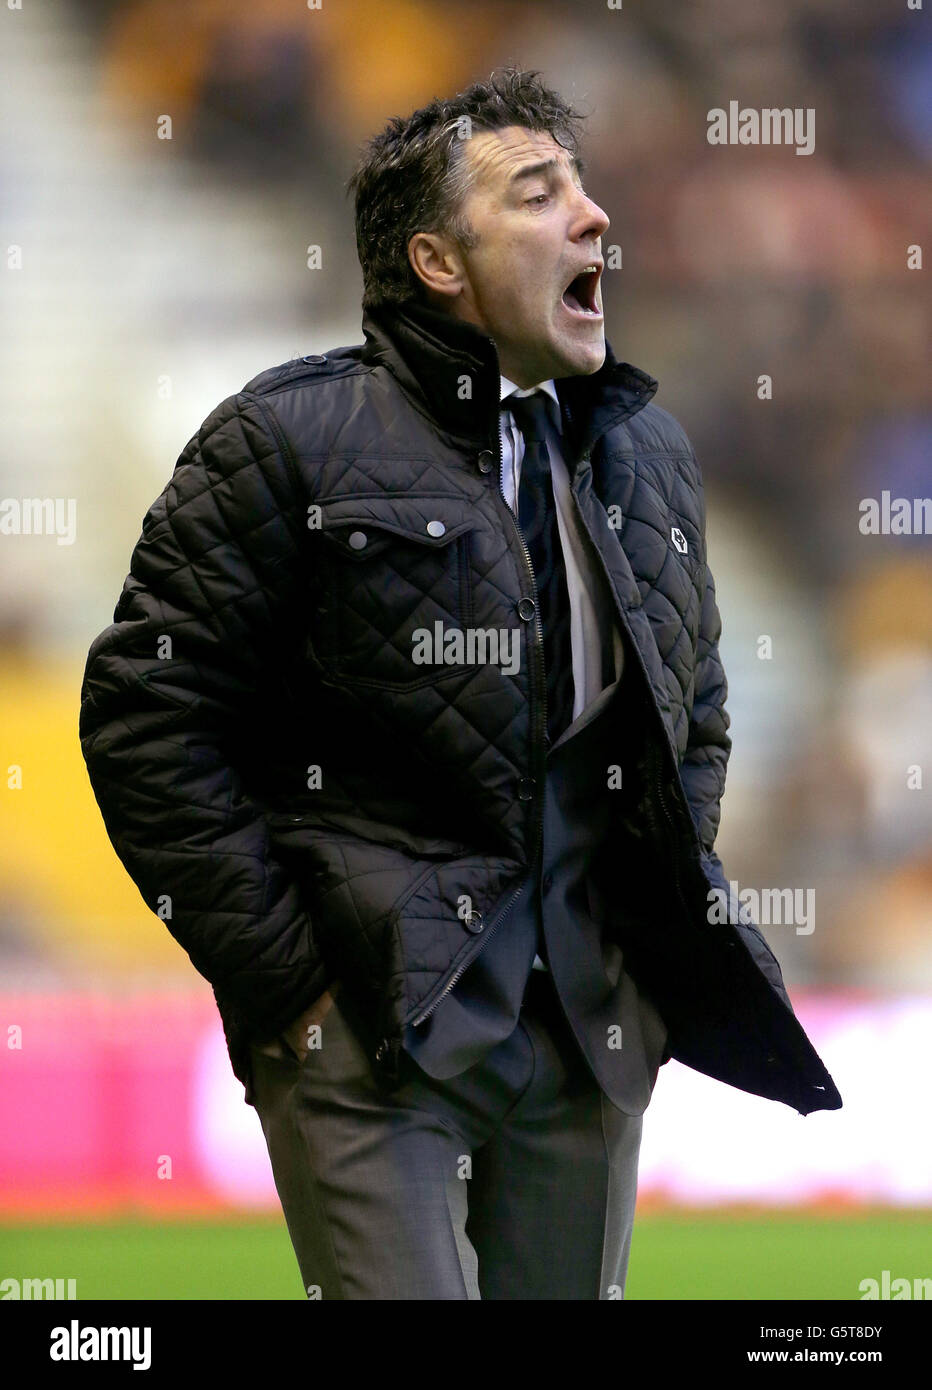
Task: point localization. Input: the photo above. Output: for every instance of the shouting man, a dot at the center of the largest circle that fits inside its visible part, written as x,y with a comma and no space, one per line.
412,712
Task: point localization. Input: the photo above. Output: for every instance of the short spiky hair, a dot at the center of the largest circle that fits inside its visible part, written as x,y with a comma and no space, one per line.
412,177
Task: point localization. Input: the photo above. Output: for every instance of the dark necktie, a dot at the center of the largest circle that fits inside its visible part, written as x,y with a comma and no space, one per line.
537,517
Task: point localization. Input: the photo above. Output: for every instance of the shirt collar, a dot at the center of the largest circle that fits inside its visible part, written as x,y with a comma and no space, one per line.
509,387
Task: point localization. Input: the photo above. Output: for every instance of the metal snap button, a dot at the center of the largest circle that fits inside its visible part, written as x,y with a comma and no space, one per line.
525,788
485,461
526,609
314,357
435,528
358,540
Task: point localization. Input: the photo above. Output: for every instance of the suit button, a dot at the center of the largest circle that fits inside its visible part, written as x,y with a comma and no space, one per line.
485,461
547,882
526,609
525,788
473,921
358,539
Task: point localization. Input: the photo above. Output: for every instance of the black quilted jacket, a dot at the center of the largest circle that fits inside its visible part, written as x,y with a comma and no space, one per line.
300,802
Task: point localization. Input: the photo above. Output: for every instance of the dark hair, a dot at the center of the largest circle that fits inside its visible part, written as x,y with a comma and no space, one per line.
413,176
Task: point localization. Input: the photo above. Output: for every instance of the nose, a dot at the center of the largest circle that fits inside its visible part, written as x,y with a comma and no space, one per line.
592,219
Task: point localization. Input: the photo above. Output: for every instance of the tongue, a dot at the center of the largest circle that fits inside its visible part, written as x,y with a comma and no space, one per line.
570,300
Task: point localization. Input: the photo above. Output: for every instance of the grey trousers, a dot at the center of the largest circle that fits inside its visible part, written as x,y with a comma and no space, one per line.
515,1180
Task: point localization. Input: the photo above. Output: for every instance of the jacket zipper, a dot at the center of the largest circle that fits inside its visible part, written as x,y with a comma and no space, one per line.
539,715
675,839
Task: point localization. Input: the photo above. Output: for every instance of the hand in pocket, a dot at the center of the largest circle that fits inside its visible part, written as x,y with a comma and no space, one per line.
296,1035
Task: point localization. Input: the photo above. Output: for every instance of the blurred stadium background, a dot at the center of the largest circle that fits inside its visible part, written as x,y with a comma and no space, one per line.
158,275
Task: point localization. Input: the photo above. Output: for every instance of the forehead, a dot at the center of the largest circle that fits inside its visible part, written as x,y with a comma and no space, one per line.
495,157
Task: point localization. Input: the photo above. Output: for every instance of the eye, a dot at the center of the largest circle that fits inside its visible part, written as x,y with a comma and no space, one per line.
537,197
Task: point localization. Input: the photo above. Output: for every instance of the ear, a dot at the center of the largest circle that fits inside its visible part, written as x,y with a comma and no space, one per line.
436,263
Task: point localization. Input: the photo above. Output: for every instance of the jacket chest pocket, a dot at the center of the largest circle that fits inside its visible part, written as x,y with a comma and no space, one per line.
391,578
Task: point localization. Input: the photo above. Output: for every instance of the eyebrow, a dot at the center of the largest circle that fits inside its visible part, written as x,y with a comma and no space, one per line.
545,166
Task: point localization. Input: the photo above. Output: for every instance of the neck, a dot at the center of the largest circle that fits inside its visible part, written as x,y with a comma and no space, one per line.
432,354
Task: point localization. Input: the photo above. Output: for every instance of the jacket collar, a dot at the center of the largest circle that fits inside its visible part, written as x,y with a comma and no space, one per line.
450,371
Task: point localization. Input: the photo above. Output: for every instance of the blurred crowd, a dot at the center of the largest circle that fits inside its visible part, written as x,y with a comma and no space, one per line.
159,274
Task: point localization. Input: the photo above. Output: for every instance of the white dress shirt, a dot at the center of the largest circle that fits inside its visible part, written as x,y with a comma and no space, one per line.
585,615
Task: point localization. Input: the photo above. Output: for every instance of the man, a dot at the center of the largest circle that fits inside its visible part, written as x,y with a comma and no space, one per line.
411,725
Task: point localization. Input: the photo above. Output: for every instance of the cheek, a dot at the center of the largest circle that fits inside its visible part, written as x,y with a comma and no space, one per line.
531,294
508,298
516,294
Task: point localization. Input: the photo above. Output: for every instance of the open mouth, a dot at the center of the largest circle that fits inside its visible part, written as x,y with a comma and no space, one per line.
579,297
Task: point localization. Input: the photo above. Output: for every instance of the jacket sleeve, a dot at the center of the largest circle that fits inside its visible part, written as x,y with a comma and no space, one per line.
708,744
705,761
203,610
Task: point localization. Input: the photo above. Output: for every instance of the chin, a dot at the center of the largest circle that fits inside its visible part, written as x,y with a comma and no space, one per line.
584,361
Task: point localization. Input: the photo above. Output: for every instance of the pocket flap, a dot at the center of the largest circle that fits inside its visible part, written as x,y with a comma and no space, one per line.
360,526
